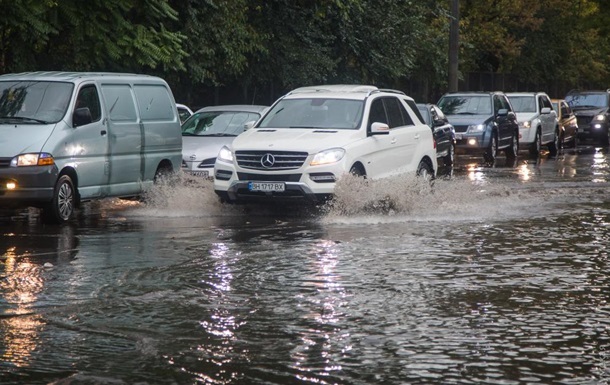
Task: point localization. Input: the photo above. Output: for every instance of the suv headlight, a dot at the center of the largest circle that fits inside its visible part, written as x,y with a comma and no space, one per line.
599,118
225,155
36,159
328,156
476,128
526,124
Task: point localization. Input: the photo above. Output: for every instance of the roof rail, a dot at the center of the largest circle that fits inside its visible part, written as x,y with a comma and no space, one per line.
388,90
334,88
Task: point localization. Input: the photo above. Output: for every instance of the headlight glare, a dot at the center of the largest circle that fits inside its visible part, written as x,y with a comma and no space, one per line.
35,159
599,118
332,155
476,128
225,155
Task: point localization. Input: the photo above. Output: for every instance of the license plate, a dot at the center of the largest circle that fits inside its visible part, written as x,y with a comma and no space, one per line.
267,186
458,136
203,174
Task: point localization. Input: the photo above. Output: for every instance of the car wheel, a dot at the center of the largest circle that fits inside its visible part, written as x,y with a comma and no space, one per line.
424,170
492,151
513,149
62,205
450,157
357,170
537,145
555,145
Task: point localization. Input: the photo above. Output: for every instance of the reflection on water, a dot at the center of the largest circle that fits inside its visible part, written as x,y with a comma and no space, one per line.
495,274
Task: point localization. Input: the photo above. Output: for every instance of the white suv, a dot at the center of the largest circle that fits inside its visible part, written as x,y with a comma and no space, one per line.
312,136
538,125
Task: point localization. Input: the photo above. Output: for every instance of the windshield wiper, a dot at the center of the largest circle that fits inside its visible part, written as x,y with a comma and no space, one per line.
24,118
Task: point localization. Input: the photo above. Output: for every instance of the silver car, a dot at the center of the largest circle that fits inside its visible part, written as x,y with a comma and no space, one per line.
209,129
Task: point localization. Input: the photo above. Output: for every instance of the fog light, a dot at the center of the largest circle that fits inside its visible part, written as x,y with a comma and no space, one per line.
598,126
322,177
472,142
11,185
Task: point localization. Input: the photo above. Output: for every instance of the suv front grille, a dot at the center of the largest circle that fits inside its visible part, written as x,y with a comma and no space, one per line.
5,162
460,128
270,160
584,120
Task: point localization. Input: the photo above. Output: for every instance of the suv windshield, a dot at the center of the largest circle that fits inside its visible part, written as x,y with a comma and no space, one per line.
465,105
523,103
588,100
34,102
218,123
314,113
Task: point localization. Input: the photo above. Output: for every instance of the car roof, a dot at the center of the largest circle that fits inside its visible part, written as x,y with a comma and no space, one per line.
234,107
475,93
525,93
67,76
340,91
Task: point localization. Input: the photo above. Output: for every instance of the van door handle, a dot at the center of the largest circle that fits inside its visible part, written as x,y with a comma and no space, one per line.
103,132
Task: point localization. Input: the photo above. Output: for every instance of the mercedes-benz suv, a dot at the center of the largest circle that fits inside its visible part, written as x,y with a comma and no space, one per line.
313,136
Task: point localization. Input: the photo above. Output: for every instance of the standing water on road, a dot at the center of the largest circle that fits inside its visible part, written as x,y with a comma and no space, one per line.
492,275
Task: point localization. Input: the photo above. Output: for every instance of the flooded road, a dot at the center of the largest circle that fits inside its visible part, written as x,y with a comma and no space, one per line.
493,275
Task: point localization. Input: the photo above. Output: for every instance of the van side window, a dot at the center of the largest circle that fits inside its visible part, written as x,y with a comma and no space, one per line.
154,103
88,97
119,101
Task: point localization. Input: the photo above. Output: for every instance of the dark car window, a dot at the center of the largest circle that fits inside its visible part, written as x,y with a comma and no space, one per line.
425,114
407,117
88,97
377,113
392,106
546,103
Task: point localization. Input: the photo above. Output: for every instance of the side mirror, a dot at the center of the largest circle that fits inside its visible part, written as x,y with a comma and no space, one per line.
81,117
378,128
545,110
502,112
249,125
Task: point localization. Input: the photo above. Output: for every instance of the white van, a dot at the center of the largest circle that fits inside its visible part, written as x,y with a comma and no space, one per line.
68,137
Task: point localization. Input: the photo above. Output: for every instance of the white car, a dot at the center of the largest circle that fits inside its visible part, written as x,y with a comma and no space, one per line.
538,124
209,129
184,112
313,136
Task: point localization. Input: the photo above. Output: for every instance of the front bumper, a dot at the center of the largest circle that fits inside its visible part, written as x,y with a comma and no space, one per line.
33,186
472,142
307,184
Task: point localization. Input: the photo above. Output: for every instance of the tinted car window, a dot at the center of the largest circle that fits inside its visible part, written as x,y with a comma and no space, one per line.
466,105
523,103
217,123
88,97
377,113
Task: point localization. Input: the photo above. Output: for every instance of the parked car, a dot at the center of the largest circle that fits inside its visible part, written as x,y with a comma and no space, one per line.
208,130
484,123
71,137
313,136
592,114
538,125
568,126
443,131
184,112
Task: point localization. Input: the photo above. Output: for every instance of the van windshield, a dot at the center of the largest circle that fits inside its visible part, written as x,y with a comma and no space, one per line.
34,102
315,113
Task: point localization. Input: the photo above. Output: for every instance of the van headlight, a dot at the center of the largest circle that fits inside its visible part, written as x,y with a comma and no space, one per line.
35,159
328,156
476,128
225,155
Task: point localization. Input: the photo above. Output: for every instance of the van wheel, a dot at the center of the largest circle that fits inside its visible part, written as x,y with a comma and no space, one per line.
164,175
61,208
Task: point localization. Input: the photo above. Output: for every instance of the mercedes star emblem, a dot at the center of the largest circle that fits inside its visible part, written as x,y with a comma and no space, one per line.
267,161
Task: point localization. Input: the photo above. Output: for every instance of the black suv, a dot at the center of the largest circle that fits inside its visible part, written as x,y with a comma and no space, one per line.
592,114
484,122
